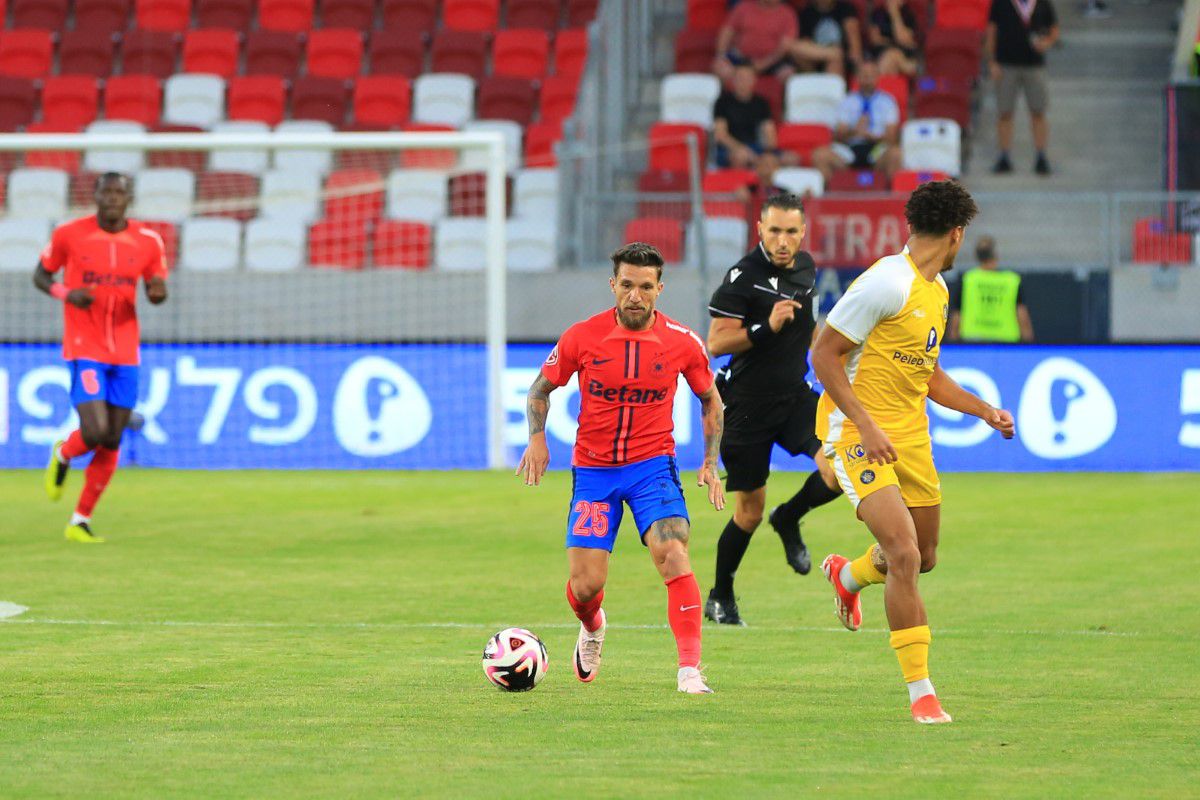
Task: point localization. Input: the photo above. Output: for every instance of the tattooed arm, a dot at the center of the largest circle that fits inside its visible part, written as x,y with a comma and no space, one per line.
536,457
714,425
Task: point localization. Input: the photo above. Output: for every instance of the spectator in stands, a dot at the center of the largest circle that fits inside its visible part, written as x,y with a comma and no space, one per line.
743,129
829,34
892,38
760,33
1019,33
867,132
986,304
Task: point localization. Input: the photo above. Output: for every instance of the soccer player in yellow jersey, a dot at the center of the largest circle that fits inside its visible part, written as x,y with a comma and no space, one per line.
878,360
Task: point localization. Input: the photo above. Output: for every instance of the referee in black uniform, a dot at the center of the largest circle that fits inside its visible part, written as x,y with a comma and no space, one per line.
763,316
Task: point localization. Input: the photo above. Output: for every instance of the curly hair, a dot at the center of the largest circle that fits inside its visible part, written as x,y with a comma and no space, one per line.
637,254
938,207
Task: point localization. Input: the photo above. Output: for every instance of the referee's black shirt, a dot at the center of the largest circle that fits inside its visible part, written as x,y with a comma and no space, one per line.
748,292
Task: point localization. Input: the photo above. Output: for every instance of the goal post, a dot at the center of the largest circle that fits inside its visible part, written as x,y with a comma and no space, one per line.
389,283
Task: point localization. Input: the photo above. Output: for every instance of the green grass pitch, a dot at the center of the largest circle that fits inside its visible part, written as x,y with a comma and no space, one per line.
253,634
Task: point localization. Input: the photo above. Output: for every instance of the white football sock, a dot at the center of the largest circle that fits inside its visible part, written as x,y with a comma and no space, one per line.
847,578
918,689
77,518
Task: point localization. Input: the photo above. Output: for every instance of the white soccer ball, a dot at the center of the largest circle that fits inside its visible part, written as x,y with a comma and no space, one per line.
515,660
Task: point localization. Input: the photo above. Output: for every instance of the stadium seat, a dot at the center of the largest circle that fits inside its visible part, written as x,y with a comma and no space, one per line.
669,148
1156,242
68,161
192,160
335,53
513,134
468,194
21,243
232,14
402,243
354,194
932,144
898,87
804,181
530,246
356,14
541,14
952,104
37,194
163,15
252,161
318,160
695,50
194,100
954,53
49,15
906,180
418,16
382,100
94,18
257,97
665,233
535,194
319,98
210,245
558,98
814,99
460,244
570,52
580,13
971,14
381,159
705,15
25,53
417,194
137,98
443,99
149,53
461,52
803,139
82,52
471,15
725,242
540,141
502,97
664,194
164,194
727,183
433,158
397,52
689,98
213,51
275,245
771,89
292,16
857,180
520,52
233,195
18,100
273,53
338,244
128,161
289,194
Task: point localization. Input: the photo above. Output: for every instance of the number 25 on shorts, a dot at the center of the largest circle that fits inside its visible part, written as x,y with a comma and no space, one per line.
592,519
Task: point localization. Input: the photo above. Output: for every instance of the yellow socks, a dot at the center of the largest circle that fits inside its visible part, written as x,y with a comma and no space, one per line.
912,651
863,570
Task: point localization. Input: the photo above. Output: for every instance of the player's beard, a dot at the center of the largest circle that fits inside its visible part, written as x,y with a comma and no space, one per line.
635,320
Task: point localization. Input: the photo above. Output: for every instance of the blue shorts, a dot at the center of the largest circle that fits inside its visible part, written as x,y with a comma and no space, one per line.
93,380
651,488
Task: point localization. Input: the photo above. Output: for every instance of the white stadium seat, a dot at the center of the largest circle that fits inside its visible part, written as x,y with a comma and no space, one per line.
460,243
290,194
814,99
190,99
318,160
37,193
417,194
253,161
535,193
530,245
443,99
477,159
127,161
164,193
800,180
724,242
210,244
21,243
275,245
689,97
933,145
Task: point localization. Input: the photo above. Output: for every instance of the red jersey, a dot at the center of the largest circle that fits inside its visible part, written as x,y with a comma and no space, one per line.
110,265
627,382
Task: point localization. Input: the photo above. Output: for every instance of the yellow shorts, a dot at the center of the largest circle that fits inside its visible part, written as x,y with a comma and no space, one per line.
913,472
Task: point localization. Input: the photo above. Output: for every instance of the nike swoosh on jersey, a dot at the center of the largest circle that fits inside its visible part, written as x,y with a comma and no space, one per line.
601,360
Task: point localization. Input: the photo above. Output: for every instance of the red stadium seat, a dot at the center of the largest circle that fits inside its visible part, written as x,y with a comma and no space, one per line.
257,97
18,99
464,52
520,52
558,97
668,145
953,53
356,14
382,100
95,17
501,97
945,104
1156,243
232,14
26,53
543,14
727,182
705,15
771,88
803,139
962,14
163,15
570,51
354,194
410,15
695,50
857,180
540,139
227,194
133,97
397,52
665,233
382,161
70,100
82,189
193,160
471,15
319,98
402,244
581,12
213,50
908,179
468,194
898,87
662,182
147,52
338,244
428,159
50,15
66,160
85,53
293,16
335,53
272,53
170,238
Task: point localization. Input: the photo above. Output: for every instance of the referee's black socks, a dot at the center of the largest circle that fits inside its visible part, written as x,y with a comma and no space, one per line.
730,549
813,493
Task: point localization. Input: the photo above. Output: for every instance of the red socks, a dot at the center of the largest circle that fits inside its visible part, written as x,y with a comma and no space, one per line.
589,612
74,446
96,478
684,614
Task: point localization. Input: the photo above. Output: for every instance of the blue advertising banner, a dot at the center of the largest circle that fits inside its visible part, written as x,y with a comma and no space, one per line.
247,406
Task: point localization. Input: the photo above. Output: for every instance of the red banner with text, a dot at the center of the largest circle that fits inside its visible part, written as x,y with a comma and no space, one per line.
854,233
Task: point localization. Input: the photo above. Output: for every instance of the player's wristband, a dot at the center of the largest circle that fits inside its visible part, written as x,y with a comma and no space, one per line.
59,292
760,334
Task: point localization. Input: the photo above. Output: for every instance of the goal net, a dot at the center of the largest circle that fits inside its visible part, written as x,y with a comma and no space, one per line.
337,300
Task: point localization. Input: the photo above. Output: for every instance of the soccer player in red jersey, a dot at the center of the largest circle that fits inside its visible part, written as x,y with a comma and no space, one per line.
629,359
102,257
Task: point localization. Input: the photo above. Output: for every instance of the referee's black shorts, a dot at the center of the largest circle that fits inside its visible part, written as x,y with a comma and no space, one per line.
754,425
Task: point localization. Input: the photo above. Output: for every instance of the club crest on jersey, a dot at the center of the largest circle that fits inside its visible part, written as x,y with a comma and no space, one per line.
867,476
659,365
552,359
931,340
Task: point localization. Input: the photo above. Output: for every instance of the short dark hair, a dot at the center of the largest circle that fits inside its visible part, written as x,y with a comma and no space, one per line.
785,201
985,248
637,254
938,207
113,176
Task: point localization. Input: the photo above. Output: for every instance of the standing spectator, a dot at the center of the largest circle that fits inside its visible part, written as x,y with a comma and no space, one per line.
987,305
867,132
829,33
743,129
1019,33
892,38
760,33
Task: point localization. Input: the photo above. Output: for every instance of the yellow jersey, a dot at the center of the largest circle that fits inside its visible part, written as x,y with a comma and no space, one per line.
896,318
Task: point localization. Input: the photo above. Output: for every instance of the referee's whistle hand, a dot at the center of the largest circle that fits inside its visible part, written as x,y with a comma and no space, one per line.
782,313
